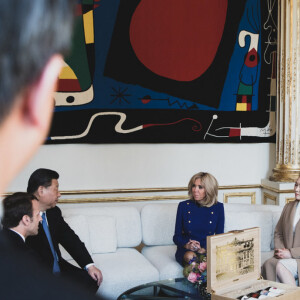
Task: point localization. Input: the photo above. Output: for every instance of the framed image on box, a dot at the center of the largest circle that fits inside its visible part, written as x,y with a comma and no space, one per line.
234,268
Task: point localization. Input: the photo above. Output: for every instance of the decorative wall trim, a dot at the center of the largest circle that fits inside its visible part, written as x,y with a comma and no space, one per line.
122,199
122,191
287,200
104,195
148,190
234,187
151,190
269,196
277,190
249,194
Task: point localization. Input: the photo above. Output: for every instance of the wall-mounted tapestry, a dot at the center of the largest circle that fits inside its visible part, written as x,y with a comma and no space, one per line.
169,71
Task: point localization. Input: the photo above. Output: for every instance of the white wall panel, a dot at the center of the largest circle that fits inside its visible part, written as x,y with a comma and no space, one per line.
150,165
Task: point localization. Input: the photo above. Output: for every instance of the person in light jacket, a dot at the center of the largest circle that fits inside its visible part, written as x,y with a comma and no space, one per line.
284,266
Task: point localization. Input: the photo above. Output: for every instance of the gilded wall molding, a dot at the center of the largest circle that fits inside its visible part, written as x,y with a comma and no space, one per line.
134,194
122,199
240,194
269,196
151,190
146,190
124,191
287,200
277,190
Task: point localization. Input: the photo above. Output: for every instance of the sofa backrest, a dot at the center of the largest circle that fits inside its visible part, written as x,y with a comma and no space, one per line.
251,207
235,220
275,210
104,229
158,221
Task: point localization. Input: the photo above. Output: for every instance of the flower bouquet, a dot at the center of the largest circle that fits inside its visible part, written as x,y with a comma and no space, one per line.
196,273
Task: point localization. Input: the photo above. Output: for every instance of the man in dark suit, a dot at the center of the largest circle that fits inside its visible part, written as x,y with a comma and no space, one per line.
53,230
34,35
21,219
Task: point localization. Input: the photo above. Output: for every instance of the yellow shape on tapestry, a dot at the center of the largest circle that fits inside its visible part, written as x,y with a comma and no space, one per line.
88,24
67,73
241,107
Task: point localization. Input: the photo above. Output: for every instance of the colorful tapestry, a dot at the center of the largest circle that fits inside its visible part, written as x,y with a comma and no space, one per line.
169,71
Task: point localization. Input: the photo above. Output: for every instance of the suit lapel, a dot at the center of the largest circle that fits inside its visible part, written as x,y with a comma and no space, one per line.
42,233
297,229
290,232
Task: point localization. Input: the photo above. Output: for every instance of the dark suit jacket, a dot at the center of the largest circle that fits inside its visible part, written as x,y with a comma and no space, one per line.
20,246
23,278
194,222
61,233
15,240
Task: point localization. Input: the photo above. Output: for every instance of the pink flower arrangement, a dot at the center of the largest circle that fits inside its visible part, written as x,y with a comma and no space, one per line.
195,271
192,277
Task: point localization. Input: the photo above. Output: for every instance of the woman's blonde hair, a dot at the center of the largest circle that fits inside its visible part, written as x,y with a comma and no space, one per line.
210,183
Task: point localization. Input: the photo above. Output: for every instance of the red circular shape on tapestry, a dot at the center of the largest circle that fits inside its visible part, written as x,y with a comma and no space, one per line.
177,39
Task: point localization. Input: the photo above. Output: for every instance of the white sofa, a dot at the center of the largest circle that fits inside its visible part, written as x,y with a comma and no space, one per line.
111,235
158,223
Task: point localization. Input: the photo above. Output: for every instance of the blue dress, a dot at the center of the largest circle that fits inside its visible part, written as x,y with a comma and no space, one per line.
195,222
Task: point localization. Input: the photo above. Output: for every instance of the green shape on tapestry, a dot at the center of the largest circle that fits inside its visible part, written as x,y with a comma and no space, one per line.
245,89
77,59
87,1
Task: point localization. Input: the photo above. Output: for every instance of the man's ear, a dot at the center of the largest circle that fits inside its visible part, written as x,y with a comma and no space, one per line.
38,101
40,191
26,220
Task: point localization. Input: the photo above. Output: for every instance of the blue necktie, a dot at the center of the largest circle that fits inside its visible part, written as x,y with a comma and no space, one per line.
56,268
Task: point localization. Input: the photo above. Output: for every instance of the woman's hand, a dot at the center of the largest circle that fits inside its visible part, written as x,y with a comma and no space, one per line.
282,253
193,245
202,250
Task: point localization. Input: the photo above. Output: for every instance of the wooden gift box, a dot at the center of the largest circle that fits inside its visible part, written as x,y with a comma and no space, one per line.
233,261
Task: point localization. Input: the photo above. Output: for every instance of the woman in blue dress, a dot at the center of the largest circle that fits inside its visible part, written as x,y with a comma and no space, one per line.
200,216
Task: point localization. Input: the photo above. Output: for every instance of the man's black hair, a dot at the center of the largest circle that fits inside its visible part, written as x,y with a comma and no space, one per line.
41,177
15,207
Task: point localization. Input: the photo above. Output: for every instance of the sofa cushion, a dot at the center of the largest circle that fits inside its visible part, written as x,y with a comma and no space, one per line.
241,220
103,235
163,259
80,225
158,223
128,221
122,270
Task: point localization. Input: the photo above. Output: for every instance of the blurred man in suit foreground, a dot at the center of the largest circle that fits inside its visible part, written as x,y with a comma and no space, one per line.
33,36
